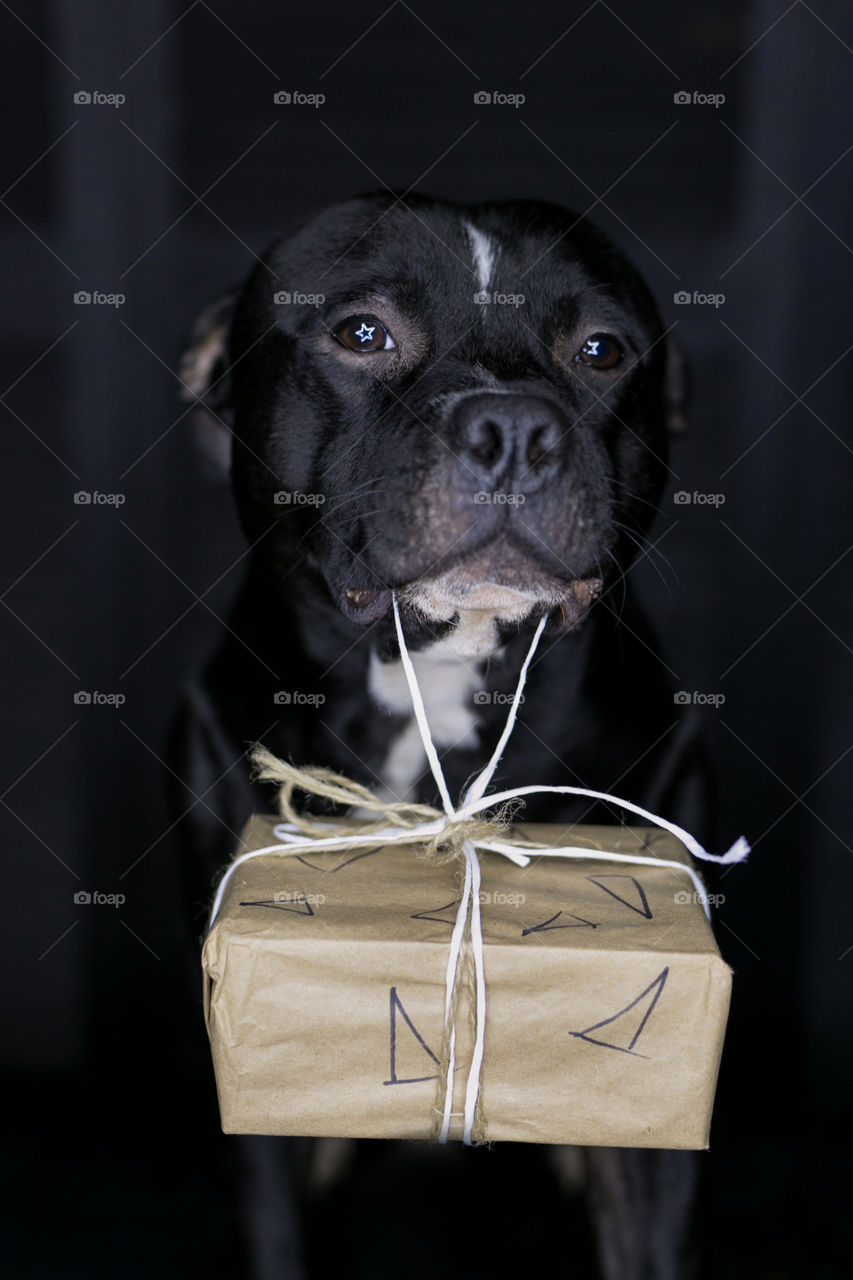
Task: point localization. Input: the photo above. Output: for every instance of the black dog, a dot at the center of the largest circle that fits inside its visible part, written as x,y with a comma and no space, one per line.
468,406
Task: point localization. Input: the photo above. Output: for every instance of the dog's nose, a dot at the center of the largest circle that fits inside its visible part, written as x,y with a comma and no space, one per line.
510,439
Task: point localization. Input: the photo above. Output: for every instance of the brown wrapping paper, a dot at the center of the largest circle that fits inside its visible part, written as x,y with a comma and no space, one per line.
606,1006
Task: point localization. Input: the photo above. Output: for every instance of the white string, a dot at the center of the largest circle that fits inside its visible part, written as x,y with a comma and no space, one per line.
420,715
450,978
297,843
475,801
472,1089
736,853
477,788
601,855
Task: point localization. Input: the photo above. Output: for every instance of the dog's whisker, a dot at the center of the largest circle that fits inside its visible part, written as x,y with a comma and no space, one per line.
361,489
642,542
651,551
619,581
324,512
377,511
344,502
633,495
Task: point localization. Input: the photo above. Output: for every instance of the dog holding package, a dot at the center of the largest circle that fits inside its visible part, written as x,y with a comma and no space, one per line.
468,407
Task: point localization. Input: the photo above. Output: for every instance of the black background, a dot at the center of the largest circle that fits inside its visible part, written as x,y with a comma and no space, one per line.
166,199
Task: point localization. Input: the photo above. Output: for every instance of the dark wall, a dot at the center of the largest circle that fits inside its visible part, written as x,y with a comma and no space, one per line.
166,198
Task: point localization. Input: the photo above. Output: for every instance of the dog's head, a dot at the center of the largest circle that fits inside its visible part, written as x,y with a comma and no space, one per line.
465,404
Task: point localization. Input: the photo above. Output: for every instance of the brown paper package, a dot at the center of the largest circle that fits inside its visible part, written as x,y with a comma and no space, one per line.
606,1005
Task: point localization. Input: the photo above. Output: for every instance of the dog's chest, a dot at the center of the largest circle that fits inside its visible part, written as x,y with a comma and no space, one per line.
450,676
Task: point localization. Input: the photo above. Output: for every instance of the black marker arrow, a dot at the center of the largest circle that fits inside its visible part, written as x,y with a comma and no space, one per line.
657,987
303,908
424,915
549,924
397,1006
364,853
643,910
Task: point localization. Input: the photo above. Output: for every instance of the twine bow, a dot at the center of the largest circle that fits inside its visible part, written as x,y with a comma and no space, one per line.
455,832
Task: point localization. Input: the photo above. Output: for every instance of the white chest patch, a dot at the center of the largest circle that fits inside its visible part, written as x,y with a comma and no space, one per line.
485,253
448,681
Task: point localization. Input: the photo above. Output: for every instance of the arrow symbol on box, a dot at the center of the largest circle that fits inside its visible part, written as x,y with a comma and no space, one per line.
642,910
346,862
298,904
656,986
549,924
396,1007
425,915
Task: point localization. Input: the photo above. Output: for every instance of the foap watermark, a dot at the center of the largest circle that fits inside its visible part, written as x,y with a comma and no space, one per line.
496,98
283,898
498,498
296,498
686,98
85,98
94,898
295,698
94,498
95,298
684,896
94,698
485,698
296,98
495,298
682,498
293,298
684,298
698,699
500,898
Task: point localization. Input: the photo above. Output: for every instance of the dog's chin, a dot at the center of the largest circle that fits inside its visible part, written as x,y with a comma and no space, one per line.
502,583
482,590
440,599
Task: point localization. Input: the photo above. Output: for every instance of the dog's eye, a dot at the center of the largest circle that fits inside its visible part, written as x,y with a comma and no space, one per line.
600,351
364,333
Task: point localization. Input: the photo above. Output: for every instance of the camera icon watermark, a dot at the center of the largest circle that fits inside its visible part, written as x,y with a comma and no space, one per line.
495,98
683,98
94,498
288,298
485,299
683,298
87,298
485,698
296,498
295,98
501,898
284,898
94,698
682,498
83,98
498,498
684,896
683,698
296,698
85,898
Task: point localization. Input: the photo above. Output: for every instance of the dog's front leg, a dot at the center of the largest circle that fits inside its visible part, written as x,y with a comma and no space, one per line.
272,1194
642,1206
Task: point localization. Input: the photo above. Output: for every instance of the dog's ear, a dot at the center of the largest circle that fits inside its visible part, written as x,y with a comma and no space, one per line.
676,386
206,383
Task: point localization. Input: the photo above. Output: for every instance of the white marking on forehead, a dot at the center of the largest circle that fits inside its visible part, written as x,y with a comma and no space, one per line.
485,253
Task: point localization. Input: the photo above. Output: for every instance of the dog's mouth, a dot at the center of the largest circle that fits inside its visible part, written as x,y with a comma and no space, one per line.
508,590
505,587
